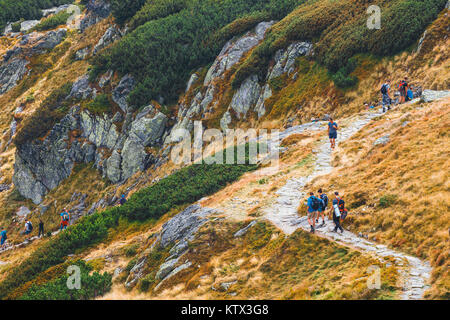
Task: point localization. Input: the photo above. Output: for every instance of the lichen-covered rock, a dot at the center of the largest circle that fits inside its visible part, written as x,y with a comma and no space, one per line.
81,54
234,50
111,35
184,225
49,41
285,59
81,88
11,73
121,92
246,97
97,10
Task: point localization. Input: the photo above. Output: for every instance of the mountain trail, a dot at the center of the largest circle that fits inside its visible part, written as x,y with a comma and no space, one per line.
283,213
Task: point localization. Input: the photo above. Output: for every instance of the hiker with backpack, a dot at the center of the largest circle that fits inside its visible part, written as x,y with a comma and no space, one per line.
332,132
323,206
4,237
122,200
41,228
65,218
338,212
313,204
403,88
28,227
386,95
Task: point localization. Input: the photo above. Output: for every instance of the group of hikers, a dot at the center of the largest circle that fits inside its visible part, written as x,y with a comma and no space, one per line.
64,223
405,89
317,207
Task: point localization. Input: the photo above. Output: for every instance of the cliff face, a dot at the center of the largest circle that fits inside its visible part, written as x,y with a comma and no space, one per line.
81,137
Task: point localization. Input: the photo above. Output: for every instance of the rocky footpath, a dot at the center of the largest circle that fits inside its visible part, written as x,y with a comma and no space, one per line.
283,213
115,144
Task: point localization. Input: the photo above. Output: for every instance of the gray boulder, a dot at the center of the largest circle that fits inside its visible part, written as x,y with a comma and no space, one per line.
111,35
432,95
81,88
81,54
11,73
121,92
49,41
184,225
97,10
113,169
382,141
234,50
285,59
246,97
166,268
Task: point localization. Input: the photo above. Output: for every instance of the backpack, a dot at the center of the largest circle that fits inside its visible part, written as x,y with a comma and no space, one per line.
315,203
384,89
324,200
29,226
66,216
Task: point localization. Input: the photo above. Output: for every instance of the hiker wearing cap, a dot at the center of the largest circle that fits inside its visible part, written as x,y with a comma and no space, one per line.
28,227
332,132
386,95
313,204
336,212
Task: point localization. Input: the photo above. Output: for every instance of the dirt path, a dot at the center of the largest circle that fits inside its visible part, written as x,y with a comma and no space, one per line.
283,213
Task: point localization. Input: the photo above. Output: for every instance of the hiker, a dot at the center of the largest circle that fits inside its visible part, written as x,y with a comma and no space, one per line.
4,237
41,228
336,212
403,88
65,218
323,206
332,132
28,227
122,200
386,93
313,204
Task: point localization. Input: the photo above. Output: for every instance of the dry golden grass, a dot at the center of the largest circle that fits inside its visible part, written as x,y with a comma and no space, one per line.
266,265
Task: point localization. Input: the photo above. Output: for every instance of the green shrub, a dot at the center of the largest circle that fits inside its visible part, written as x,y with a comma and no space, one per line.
162,52
53,21
91,286
100,104
13,10
16,27
338,30
388,200
122,10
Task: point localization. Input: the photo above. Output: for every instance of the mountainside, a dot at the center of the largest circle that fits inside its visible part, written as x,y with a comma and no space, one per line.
95,106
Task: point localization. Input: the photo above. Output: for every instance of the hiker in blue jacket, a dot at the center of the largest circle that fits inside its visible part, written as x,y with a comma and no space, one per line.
313,204
332,132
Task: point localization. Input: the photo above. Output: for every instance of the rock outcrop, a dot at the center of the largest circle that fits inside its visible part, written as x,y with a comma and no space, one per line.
97,10
112,34
117,150
15,65
11,73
